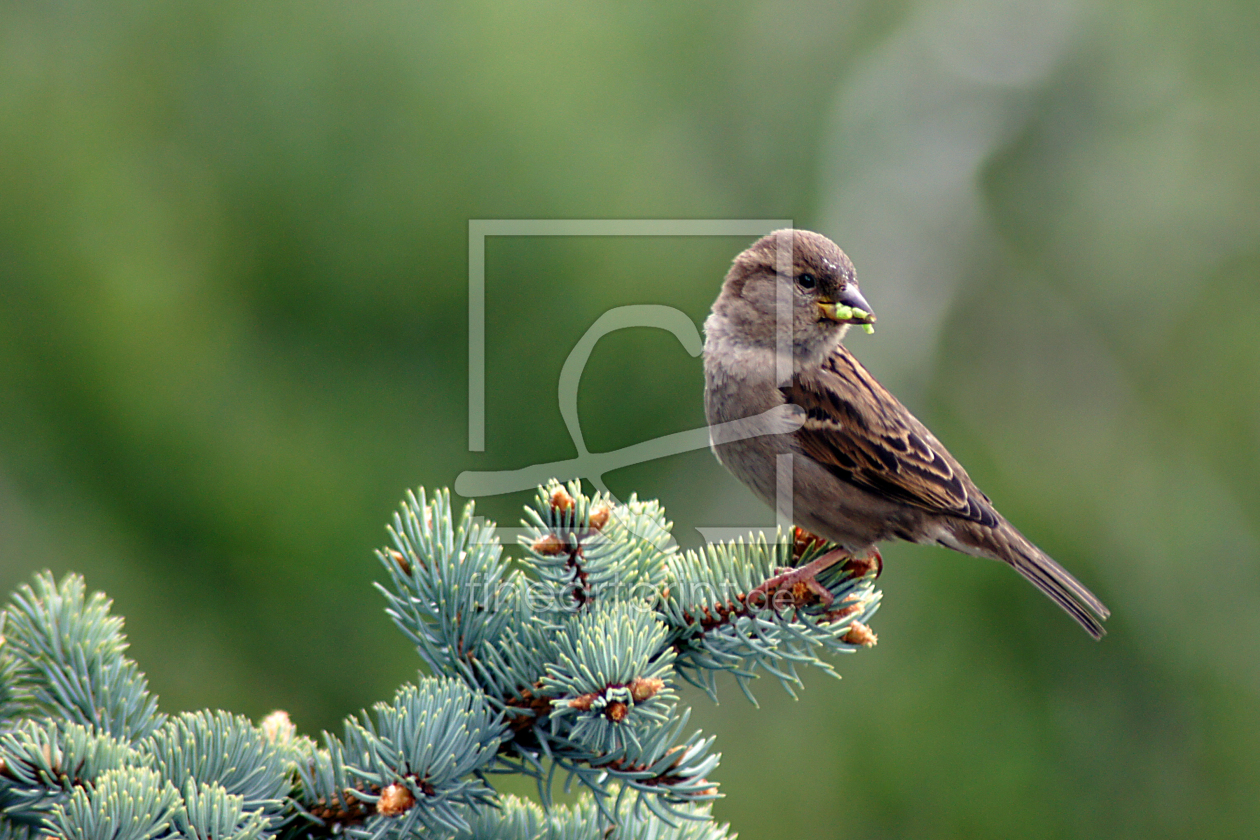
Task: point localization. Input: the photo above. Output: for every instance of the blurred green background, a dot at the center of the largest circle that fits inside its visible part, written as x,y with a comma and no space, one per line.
233,331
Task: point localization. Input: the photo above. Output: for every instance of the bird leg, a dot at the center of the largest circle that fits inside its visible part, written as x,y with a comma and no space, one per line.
798,583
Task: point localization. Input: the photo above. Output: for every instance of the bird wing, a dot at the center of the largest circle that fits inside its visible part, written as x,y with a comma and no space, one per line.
863,435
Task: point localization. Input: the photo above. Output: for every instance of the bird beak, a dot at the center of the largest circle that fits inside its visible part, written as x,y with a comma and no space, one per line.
849,308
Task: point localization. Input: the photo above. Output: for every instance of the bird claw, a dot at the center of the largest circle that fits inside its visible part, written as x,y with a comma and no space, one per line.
862,566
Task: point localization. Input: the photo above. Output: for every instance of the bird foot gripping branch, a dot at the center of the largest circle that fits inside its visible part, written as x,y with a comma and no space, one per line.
797,586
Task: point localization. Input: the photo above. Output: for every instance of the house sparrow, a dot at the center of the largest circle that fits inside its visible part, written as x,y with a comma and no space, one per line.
863,469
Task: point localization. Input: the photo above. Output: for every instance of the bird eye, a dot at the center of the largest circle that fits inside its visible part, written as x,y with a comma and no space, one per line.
806,281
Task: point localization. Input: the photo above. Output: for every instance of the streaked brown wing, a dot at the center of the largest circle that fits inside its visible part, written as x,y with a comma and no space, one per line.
864,436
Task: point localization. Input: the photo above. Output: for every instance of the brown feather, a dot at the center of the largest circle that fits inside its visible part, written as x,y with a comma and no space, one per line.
1007,544
865,436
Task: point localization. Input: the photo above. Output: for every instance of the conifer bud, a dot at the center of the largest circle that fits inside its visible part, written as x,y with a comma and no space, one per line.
583,702
561,500
395,800
644,689
599,517
860,634
548,545
277,728
803,541
400,560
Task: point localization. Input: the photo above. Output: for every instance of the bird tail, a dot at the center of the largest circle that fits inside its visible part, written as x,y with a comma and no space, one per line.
1013,548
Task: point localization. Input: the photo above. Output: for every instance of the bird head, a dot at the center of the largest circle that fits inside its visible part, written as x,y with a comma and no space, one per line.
800,269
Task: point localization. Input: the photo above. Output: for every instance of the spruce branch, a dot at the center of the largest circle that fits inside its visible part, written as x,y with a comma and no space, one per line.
43,761
211,813
446,582
126,803
563,536
519,819
69,659
11,705
327,798
15,831
608,682
723,618
419,757
562,663
225,750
